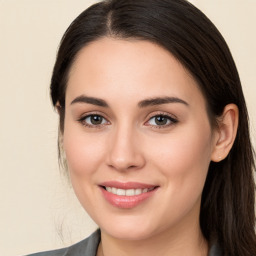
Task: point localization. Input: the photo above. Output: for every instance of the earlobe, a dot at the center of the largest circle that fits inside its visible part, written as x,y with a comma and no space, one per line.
225,133
58,107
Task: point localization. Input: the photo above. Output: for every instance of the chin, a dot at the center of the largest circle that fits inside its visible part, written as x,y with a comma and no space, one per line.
123,234
128,230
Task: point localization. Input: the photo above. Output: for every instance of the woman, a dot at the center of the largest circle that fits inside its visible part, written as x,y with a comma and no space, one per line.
154,132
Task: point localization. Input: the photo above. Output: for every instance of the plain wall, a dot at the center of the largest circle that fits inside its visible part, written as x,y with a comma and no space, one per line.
38,209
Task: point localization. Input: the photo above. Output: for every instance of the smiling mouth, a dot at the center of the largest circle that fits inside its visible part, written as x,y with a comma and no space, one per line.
128,192
127,195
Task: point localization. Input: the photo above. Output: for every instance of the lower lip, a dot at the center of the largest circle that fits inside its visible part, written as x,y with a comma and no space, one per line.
126,202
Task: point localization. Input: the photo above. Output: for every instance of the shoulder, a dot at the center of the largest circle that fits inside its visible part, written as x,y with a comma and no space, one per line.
86,247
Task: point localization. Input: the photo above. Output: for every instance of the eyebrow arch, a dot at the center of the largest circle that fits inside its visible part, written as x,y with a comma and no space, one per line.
160,101
141,104
90,100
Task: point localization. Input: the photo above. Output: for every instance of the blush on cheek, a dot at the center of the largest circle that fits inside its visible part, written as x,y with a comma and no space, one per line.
82,153
186,156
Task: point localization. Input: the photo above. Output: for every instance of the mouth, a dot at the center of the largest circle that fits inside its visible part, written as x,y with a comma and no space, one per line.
127,195
128,192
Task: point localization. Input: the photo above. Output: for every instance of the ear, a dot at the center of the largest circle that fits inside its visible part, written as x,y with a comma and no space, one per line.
225,133
58,107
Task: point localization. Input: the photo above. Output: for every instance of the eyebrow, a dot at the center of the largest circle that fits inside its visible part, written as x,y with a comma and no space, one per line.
160,101
142,104
90,100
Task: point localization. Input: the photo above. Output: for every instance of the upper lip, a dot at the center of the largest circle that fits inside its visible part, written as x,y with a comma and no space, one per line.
126,185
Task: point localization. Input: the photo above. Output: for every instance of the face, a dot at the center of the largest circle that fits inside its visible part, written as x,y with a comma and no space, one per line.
137,138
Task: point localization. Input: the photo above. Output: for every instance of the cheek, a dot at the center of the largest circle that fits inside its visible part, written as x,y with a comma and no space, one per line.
84,152
183,163
184,157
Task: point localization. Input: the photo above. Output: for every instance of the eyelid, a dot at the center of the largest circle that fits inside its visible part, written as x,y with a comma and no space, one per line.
88,114
173,119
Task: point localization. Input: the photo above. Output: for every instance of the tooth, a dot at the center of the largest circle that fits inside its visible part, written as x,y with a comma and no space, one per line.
138,191
129,192
120,192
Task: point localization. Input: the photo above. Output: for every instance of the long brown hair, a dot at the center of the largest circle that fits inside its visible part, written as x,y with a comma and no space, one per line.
227,208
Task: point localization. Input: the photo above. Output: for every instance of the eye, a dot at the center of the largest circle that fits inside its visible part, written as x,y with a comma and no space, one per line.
93,120
161,120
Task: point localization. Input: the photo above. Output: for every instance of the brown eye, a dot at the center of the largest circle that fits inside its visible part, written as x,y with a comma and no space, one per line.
93,120
161,120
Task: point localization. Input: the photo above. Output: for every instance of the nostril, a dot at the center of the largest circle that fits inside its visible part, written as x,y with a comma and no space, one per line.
131,167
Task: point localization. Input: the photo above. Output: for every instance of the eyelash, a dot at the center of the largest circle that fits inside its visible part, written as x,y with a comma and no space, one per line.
170,119
84,123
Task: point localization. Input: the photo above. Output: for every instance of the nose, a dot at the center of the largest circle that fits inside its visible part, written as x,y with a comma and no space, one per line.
125,152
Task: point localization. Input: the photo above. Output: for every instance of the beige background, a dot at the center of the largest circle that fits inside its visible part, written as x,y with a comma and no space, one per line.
38,210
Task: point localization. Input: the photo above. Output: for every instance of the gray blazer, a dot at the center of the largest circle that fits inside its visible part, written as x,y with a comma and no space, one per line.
89,246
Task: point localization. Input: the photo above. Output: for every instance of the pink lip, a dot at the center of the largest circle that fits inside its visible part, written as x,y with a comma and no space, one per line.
126,202
126,185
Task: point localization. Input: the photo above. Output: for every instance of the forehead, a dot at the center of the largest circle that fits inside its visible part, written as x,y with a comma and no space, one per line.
135,68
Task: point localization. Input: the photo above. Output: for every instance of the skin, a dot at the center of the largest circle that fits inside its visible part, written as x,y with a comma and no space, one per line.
130,146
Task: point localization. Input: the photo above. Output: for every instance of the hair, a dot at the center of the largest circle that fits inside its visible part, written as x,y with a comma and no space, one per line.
227,212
